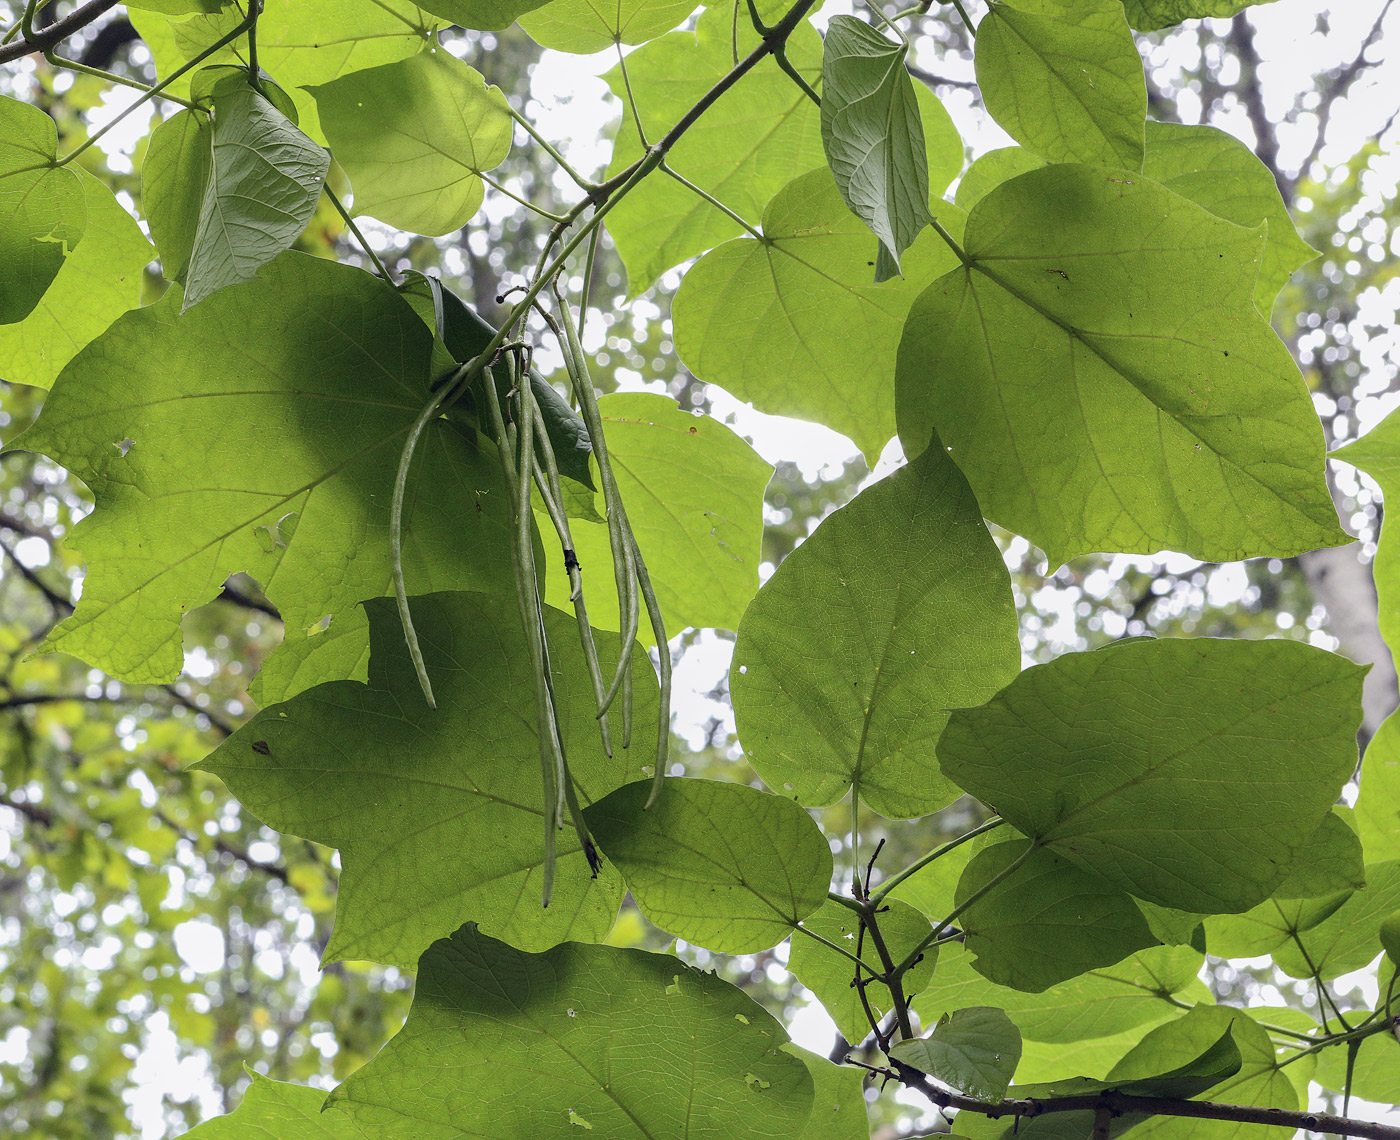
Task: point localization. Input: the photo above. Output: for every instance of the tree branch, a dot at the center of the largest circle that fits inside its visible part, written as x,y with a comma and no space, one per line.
1121,1104
56,33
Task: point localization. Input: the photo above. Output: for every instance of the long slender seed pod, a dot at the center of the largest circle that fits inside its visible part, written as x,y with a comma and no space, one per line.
444,395
663,653
551,492
624,564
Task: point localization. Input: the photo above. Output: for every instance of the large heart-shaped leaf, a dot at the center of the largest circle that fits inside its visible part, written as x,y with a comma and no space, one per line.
796,324
414,137
1132,762
1065,79
619,1043
43,208
724,866
99,281
755,139
437,814
873,135
1349,937
260,432
897,609
1101,374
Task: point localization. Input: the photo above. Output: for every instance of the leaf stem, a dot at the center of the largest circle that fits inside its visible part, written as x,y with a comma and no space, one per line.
500,188
340,209
666,168
830,945
971,27
952,244
995,881
937,853
549,149
631,99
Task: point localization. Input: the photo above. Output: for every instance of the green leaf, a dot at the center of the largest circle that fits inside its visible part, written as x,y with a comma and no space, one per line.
1133,762
1044,1062
975,1050
1219,172
1048,921
724,866
990,170
829,975
1259,1081
265,178
221,441
1375,1075
98,282
1143,1071
897,609
795,324
1149,15
300,42
1349,937
1330,861
1102,376
1065,79
485,15
931,888
694,496
626,1044
1108,1000
872,132
273,1110
437,814
42,209
838,1108
586,26
1390,937
173,180
754,140
414,137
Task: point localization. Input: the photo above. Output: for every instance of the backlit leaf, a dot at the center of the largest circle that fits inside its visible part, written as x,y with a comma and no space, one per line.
42,208
1349,937
437,814
1149,15
414,137
852,654
1065,79
753,141
724,866
838,1108
260,432
98,282
1132,761
975,1050
488,15
586,26
796,324
619,1043
274,1110
173,180
872,132
1102,376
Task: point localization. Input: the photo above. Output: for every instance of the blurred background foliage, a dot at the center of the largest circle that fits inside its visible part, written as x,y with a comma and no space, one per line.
154,938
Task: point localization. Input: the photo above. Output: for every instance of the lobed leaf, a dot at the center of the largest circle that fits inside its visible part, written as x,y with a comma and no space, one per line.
260,432
897,609
1101,374
414,137
1132,762
724,866
620,1043
437,814
1065,79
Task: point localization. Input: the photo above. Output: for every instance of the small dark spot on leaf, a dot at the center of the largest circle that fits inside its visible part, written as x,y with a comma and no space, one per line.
261,747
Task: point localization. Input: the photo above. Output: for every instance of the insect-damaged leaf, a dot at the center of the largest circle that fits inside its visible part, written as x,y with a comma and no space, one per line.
1102,376
724,866
262,431
414,137
897,609
42,208
586,1039
437,814
1132,762
872,133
